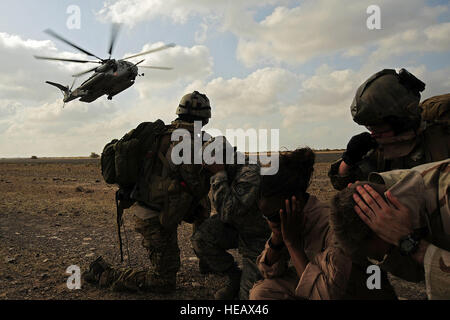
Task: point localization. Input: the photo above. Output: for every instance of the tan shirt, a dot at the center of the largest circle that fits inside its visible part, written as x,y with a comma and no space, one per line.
425,191
328,271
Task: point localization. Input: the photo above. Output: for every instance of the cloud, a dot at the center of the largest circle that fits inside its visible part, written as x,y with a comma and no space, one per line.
325,27
434,38
131,12
260,93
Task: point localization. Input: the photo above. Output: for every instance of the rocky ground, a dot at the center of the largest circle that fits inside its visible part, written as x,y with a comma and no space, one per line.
55,213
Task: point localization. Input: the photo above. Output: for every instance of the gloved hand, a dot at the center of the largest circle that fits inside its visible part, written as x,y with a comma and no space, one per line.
357,148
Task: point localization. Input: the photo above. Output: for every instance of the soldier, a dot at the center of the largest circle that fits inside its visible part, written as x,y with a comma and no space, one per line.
301,234
157,221
401,219
237,224
388,105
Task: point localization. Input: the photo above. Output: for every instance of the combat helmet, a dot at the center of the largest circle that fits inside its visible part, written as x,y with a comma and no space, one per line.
388,97
195,106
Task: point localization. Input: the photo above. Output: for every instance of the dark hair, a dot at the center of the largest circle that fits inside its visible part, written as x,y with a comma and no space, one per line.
350,231
294,174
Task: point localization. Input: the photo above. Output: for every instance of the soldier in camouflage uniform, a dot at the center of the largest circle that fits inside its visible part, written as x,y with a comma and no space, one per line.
237,224
409,212
388,105
158,221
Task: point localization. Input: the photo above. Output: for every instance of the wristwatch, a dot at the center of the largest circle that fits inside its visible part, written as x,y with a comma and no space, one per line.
409,244
275,247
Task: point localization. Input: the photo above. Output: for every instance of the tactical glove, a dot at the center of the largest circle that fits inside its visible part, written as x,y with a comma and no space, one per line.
357,148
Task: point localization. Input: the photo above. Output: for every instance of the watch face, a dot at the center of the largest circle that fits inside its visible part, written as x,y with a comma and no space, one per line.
408,245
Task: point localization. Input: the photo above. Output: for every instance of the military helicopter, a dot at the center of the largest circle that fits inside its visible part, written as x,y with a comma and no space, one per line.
110,78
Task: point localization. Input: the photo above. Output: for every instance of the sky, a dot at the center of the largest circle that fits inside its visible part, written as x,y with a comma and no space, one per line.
264,64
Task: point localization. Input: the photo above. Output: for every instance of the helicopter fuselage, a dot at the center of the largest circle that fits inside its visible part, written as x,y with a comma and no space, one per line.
111,78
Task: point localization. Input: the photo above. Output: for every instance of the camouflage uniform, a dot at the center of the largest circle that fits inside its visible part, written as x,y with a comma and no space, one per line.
425,191
387,95
183,191
238,224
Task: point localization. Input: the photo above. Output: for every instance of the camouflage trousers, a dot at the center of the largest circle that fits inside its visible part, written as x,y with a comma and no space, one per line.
211,243
164,254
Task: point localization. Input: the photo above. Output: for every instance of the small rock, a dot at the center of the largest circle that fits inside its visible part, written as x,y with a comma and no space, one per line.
44,276
89,255
97,181
45,260
196,284
56,179
79,189
10,260
87,239
193,259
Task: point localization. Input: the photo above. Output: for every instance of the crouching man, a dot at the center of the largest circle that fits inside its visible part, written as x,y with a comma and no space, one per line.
301,235
237,224
401,220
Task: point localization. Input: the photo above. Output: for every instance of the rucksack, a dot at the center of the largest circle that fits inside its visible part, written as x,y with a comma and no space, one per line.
124,160
436,109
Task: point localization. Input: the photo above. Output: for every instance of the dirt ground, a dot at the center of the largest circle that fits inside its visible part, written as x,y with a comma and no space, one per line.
55,213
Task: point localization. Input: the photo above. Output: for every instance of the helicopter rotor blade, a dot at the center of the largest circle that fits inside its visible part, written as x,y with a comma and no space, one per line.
57,36
139,62
64,59
115,28
167,46
84,72
73,83
159,68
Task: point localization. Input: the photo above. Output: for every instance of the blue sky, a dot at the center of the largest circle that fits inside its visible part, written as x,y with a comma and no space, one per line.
288,65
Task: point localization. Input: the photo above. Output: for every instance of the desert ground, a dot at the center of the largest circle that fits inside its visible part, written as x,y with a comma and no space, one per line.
55,213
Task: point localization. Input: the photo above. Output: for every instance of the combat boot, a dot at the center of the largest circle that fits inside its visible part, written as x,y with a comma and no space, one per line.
231,289
96,268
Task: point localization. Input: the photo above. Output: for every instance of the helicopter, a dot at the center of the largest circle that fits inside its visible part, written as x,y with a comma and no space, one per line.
110,77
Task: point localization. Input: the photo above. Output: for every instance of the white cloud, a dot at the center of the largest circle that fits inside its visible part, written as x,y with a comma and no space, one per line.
260,93
434,38
131,12
325,27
